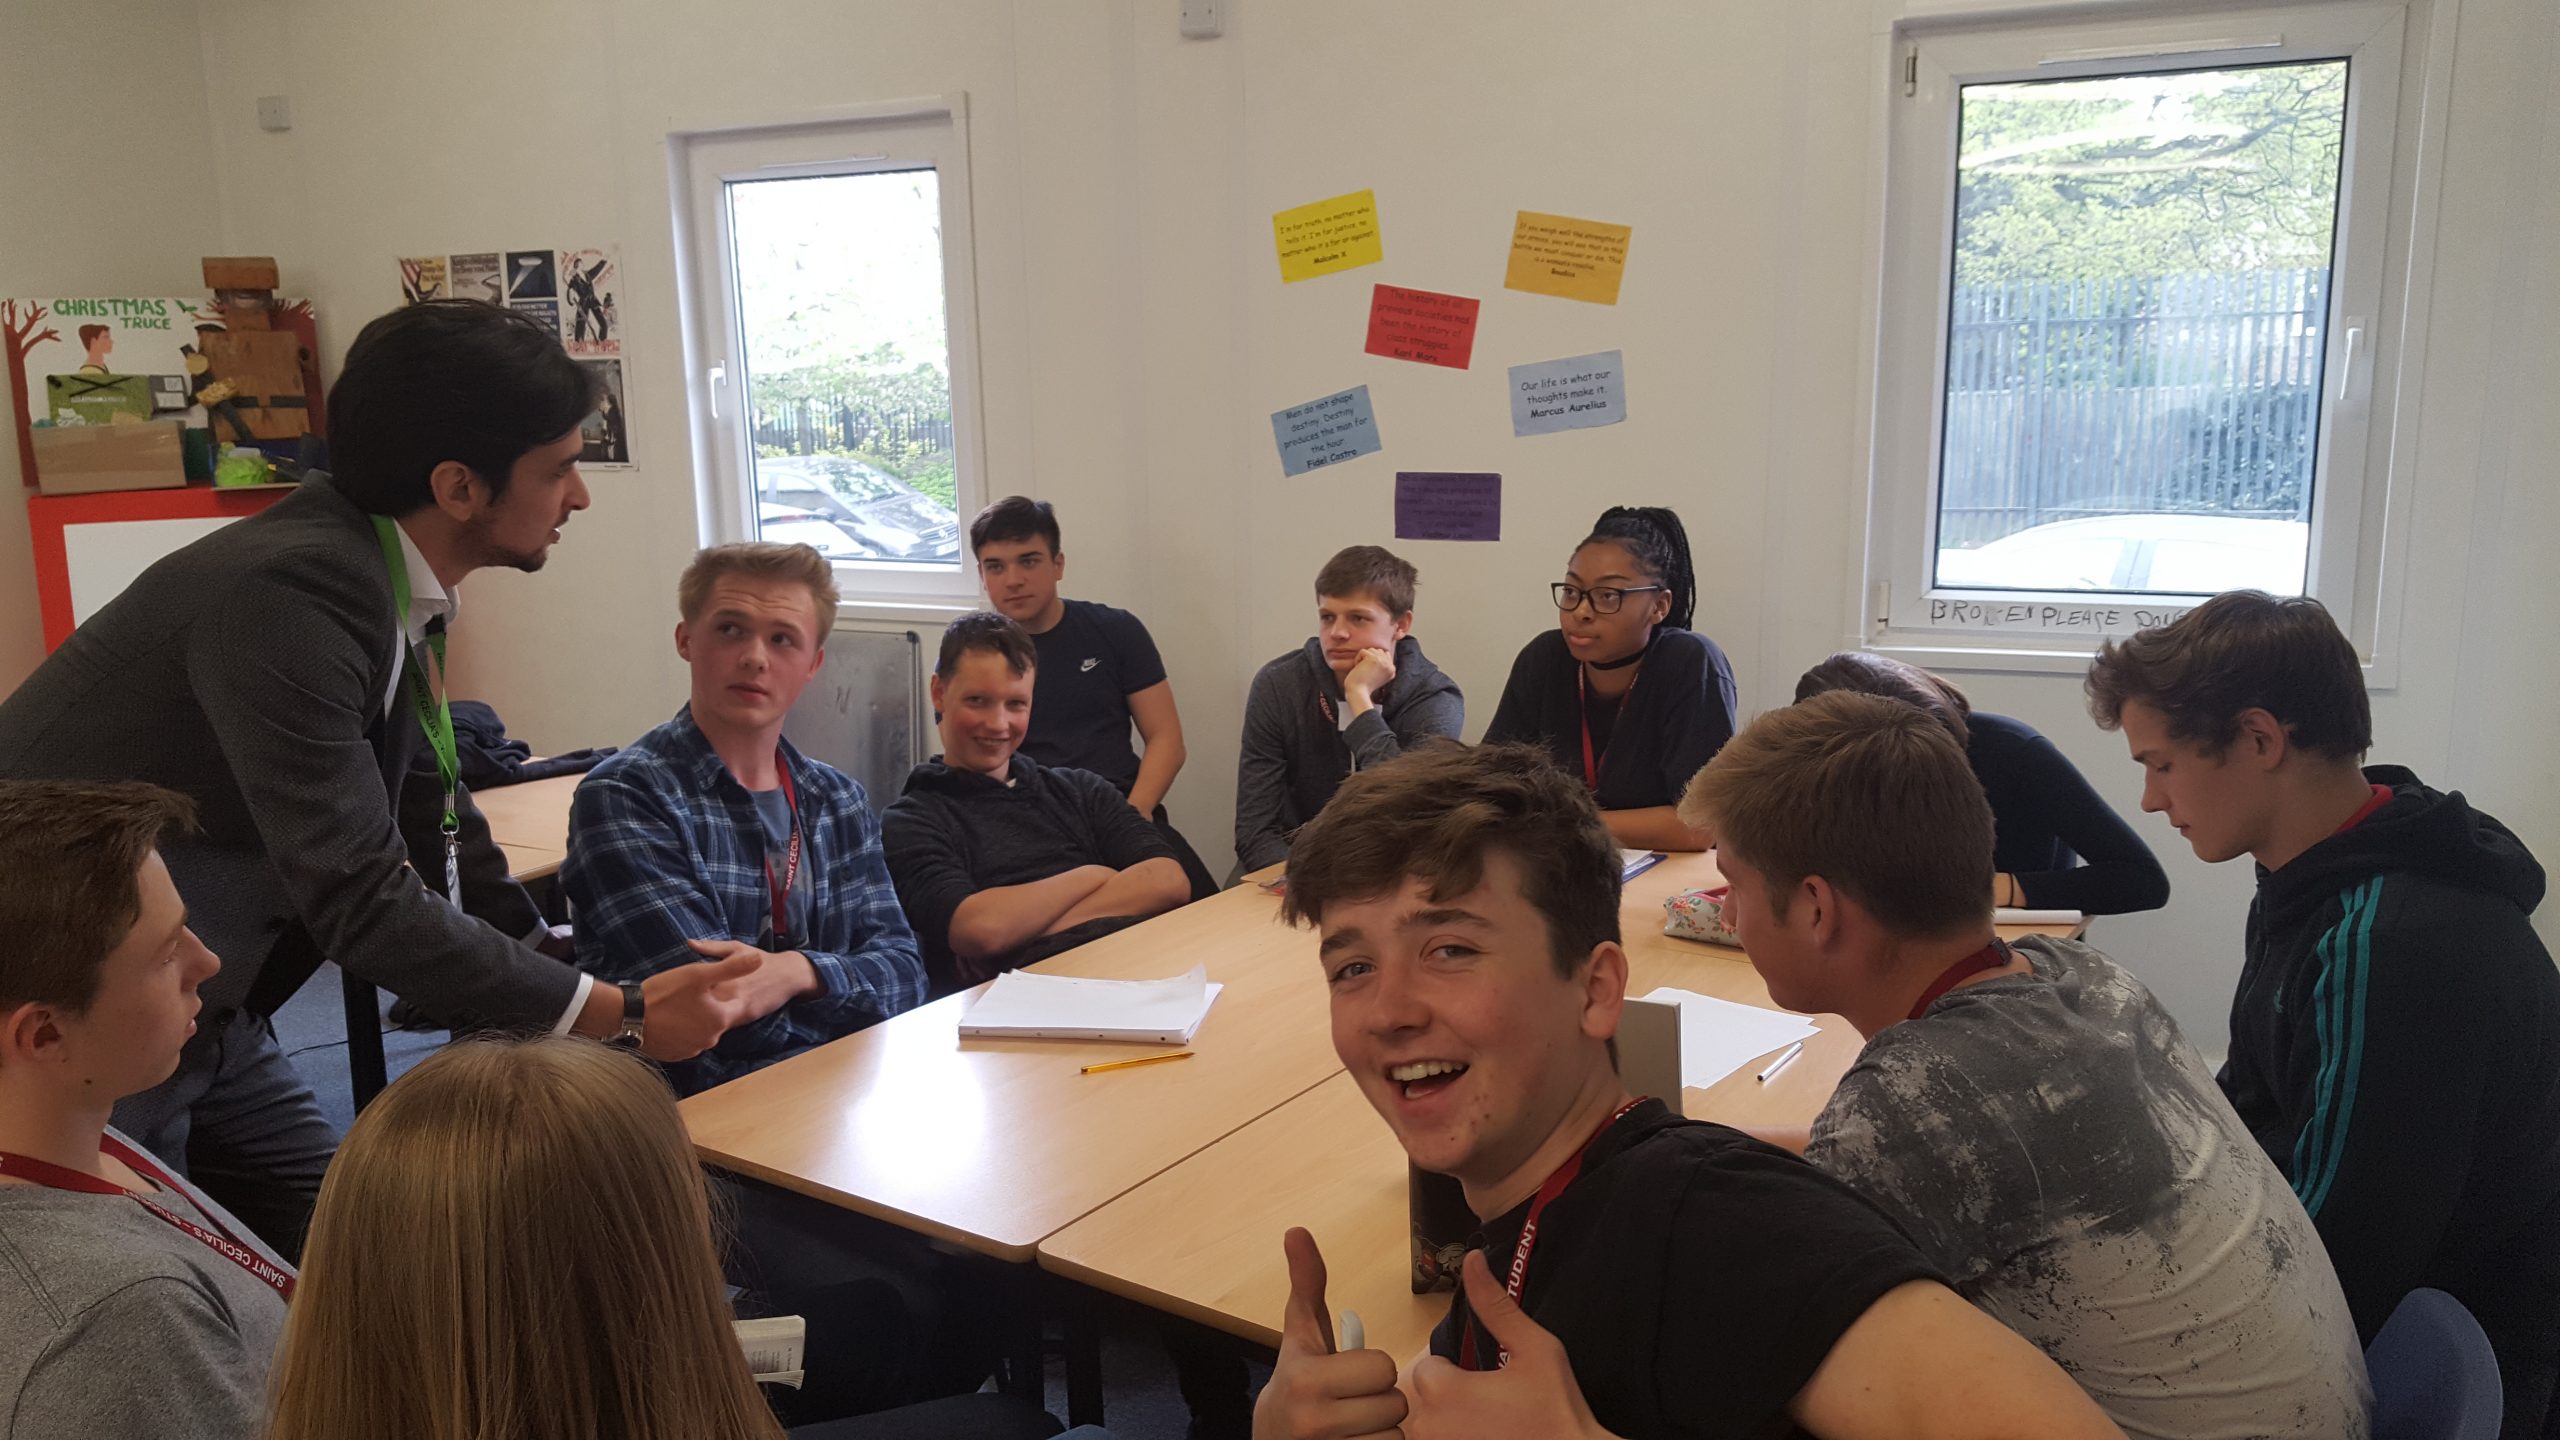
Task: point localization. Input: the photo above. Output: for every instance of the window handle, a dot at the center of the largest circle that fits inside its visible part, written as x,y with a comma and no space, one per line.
2347,361
717,377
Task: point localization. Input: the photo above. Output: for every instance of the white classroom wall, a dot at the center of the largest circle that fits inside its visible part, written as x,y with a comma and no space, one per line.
106,188
1136,337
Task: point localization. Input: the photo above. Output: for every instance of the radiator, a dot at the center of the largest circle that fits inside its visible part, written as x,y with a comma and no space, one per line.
865,712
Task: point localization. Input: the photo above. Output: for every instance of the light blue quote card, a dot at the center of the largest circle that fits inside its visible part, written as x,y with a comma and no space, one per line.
1574,393
1325,432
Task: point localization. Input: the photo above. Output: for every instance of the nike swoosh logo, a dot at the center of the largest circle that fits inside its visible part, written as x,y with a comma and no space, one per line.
1090,662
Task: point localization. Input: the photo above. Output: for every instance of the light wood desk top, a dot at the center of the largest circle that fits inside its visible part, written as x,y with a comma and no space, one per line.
532,818
996,1144
527,862
1203,1239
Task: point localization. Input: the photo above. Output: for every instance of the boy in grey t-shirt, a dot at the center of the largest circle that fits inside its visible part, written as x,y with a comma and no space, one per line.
2031,1116
2057,1147
130,1305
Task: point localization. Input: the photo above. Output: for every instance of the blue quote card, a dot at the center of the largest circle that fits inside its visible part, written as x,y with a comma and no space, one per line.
1574,393
1325,432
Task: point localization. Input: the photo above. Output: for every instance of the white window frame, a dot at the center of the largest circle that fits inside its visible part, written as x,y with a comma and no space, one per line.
2376,298
703,159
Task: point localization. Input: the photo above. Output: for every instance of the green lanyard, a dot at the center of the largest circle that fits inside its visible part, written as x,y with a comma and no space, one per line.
435,714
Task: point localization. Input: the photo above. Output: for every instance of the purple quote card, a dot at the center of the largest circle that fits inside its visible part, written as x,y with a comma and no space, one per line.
1435,505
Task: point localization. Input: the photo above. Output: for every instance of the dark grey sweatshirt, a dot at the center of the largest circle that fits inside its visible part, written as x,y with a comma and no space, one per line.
114,1322
1296,749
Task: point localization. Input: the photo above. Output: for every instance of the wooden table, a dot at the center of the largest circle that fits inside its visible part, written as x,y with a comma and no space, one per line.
1202,1240
530,822
997,1144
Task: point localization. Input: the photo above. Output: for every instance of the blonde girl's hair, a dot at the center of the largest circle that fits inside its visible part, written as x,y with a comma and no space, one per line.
515,1243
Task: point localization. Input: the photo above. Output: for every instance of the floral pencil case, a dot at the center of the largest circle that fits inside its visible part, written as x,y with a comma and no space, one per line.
1699,915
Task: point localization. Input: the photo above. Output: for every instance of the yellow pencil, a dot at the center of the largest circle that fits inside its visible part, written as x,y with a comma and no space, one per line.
1141,1060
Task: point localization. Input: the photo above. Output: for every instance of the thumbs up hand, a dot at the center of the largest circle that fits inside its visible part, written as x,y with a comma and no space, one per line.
1533,1396
1315,1394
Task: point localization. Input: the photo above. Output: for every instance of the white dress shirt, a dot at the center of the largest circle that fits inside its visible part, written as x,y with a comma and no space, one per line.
428,599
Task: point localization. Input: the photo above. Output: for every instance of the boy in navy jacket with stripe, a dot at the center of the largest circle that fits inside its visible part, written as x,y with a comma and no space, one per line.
2395,1037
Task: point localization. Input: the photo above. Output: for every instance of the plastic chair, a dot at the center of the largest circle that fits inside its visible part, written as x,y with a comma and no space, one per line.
2434,1376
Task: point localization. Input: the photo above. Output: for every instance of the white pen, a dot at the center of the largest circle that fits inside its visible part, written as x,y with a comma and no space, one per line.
1353,1336
1790,1053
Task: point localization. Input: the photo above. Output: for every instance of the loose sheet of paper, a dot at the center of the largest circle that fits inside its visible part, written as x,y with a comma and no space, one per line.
1574,393
1575,259
1328,235
1422,325
1718,1037
1065,1007
1324,432
1438,505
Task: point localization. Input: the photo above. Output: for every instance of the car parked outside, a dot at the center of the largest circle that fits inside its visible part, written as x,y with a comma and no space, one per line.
880,516
2138,554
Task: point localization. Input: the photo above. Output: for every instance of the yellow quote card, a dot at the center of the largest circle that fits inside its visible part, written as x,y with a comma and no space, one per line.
1329,235
1575,259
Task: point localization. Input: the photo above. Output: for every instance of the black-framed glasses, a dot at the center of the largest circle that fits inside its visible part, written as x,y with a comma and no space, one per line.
1605,599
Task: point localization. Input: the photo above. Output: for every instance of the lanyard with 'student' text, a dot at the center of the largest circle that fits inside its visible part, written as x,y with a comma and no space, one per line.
1564,1175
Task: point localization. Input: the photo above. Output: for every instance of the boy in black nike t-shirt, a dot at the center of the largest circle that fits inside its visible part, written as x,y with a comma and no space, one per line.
1639,1275
2395,1037
1099,671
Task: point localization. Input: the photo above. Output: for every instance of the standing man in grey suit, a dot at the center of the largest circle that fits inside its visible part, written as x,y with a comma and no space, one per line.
282,672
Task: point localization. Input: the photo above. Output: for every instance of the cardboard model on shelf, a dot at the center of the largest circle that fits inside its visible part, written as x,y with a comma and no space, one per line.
253,383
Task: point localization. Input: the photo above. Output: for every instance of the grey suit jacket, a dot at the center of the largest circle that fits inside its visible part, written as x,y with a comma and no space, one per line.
247,671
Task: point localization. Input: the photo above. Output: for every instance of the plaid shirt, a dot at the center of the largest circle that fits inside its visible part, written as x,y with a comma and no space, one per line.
665,847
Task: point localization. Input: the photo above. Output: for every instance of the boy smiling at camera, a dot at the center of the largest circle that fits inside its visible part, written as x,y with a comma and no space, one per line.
1661,1276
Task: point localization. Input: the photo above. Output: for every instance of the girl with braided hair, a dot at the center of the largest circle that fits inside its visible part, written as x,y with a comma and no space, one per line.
1623,693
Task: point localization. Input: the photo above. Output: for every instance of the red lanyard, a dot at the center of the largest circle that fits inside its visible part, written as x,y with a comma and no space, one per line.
1546,1195
44,1172
1582,690
2380,797
781,889
1989,957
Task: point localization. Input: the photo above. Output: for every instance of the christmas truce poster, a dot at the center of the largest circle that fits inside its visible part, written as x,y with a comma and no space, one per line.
113,360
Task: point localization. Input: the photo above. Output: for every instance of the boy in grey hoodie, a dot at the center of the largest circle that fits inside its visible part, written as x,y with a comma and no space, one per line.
1355,695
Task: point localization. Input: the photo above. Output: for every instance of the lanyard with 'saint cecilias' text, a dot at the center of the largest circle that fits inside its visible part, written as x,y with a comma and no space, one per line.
423,677
54,1177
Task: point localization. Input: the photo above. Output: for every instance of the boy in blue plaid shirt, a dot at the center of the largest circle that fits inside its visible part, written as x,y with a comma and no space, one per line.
713,837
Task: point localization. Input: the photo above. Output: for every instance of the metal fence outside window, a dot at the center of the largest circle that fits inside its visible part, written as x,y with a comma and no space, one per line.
2181,394
845,424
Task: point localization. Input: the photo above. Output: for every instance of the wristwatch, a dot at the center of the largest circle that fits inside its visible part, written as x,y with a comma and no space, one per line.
628,1036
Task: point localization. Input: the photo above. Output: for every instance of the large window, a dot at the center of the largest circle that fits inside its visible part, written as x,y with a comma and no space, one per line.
2132,279
831,325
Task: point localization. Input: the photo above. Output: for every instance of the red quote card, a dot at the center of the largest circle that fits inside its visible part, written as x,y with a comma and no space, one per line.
1422,325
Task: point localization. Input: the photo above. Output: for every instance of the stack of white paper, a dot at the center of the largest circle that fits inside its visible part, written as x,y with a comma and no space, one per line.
1024,1006
2010,915
1718,1037
1632,863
